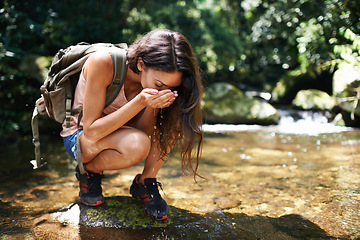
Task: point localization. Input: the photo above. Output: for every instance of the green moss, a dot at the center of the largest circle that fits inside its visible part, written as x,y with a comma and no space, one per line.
120,212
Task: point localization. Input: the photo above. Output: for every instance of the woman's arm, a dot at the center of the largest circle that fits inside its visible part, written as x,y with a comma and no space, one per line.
98,73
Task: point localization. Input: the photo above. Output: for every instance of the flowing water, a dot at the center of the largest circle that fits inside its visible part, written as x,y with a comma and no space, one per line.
297,180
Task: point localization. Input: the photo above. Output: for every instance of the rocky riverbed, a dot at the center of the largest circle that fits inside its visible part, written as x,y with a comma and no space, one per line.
258,184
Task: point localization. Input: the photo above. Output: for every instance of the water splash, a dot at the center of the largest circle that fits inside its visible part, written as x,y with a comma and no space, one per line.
291,122
158,120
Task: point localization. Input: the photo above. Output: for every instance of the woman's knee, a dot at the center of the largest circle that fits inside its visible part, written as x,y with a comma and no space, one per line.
137,146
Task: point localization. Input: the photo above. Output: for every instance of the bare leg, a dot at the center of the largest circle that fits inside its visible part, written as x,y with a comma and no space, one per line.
119,150
153,162
145,187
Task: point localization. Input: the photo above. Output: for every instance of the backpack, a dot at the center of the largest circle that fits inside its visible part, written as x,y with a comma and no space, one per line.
58,89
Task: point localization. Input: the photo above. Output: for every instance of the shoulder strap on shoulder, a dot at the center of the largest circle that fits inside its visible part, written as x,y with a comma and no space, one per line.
118,56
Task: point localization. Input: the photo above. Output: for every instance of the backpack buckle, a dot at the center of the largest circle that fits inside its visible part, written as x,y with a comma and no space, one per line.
40,105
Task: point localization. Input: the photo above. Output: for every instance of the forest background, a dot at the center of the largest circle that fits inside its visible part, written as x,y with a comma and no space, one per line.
255,45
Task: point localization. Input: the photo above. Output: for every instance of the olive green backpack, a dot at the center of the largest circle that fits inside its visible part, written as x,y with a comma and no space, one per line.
58,89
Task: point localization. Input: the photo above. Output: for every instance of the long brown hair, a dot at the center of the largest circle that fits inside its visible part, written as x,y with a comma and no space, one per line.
180,124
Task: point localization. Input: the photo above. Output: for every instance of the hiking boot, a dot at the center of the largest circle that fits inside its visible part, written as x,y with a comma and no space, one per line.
90,187
149,195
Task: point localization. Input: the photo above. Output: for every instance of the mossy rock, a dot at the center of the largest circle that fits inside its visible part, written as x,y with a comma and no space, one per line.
346,83
123,218
313,99
116,212
224,103
119,212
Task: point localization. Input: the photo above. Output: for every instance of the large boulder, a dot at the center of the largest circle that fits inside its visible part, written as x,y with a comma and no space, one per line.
346,87
123,218
118,212
294,81
224,103
313,99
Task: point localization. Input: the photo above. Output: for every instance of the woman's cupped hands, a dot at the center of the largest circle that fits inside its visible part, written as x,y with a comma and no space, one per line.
157,98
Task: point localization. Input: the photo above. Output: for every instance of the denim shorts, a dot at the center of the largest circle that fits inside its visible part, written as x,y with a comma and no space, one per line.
70,144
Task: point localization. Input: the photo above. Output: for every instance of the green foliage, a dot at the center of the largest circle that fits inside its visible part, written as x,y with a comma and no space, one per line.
349,53
15,91
289,35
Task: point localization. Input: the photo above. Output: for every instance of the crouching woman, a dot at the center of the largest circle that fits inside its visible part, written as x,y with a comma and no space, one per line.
157,110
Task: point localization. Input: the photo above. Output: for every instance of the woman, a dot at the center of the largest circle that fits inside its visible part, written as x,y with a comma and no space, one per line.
157,108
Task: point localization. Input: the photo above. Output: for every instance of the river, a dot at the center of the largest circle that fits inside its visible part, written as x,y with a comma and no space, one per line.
297,180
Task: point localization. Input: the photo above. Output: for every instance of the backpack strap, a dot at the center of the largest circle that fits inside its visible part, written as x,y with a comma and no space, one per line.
118,56
36,141
78,151
39,109
68,103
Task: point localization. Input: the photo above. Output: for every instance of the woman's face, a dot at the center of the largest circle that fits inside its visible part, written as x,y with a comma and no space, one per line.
160,80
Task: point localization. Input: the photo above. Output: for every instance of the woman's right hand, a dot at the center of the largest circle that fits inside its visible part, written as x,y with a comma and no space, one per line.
157,99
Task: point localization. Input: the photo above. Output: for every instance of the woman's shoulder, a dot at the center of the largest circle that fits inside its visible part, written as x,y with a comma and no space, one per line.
99,64
102,58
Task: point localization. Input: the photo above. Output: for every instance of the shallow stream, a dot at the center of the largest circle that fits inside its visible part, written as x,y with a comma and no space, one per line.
299,180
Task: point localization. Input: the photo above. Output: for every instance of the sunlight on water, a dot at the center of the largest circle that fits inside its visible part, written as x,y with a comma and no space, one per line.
70,217
303,123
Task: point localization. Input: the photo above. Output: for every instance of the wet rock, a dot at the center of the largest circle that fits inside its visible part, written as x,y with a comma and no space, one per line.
117,212
339,120
313,99
296,80
346,87
224,103
344,76
122,216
